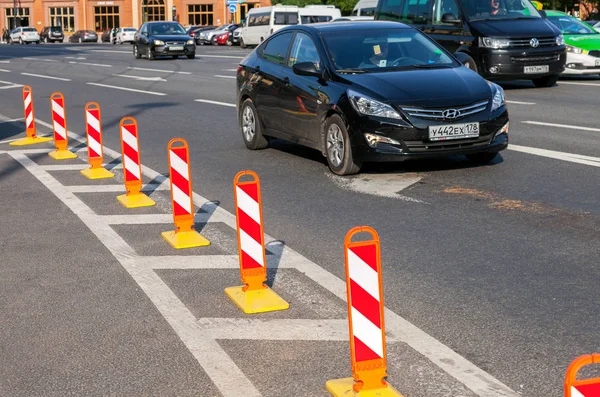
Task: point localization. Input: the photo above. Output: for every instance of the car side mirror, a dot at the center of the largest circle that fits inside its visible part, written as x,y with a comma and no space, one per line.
451,19
462,57
543,13
306,69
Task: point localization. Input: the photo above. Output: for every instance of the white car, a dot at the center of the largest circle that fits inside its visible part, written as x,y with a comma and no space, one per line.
24,35
126,35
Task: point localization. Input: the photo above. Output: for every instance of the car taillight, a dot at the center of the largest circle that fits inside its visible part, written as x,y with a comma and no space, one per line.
239,69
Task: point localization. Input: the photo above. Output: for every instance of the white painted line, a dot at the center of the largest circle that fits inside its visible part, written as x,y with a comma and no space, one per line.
140,78
127,89
230,70
10,85
571,127
5,70
39,59
9,140
2,120
91,64
45,77
520,103
64,167
188,262
215,102
113,188
225,77
221,56
157,70
574,83
7,87
114,52
149,219
79,58
4,61
570,157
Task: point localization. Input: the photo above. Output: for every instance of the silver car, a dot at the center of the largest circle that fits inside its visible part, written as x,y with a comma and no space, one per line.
210,36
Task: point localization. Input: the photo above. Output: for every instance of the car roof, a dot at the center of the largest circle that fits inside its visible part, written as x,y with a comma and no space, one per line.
352,25
554,13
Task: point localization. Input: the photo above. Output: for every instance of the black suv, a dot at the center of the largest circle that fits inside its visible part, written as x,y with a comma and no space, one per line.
50,34
164,38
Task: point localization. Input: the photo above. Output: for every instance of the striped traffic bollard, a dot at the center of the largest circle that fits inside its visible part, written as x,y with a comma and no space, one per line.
30,130
254,296
93,129
365,318
582,387
184,235
59,123
132,168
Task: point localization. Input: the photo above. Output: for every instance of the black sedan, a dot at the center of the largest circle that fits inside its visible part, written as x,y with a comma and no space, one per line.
155,39
369,91
83,36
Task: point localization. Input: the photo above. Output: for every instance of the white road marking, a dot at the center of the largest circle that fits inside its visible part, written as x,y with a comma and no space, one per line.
231,105
230,70
39,59
384,185
147,219
571,127
5,70
79,58
158,70
221,56
217,364
45,77
10,85
113,51
520,103
6,120
64,167
570,157
113,188
140,78
4,61
225,77
91,64
127,89
188,262
574,83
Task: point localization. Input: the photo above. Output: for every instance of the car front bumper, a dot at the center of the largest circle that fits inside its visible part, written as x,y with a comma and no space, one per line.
168,50
582,64
507,64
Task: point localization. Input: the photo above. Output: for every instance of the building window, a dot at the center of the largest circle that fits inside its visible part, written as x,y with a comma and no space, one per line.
106,18
63,16
18,18
200,14
153,10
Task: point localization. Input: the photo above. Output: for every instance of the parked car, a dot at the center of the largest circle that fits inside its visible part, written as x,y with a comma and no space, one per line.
24,35
105,38
210,36
83,36
236,36
195,32
398,95
318,13
226,38
505,39
51,34
583,44
155,39
126,35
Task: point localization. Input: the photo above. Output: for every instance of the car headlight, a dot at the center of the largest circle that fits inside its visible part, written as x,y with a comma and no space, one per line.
190,41
574,50
159,42
370,107
560,40
493,43
498,100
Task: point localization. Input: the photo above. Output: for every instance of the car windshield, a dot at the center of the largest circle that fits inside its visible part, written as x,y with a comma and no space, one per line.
383,50
29,30
130,30
55,29
499,9
166,28
570,25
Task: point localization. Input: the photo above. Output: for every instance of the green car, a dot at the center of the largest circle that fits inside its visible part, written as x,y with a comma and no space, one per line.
583,44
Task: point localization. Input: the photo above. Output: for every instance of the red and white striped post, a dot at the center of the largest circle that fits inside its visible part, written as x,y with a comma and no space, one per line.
365,318
59,124
132,168
30,129
582,387
254,296
184,235
93,129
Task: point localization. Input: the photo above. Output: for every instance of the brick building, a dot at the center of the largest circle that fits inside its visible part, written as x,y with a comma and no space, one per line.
100,15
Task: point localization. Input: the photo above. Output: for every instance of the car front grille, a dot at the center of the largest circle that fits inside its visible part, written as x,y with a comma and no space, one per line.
595,53
175,43
441,146
526,43
536,59
438,114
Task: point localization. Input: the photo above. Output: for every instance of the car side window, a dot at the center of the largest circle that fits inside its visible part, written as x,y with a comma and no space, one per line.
447,8
304,50
143,30
416,11
276,48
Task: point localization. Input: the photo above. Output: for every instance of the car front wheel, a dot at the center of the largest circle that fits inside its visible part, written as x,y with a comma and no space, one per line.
250,126
136,52
340,158
191,56
149,54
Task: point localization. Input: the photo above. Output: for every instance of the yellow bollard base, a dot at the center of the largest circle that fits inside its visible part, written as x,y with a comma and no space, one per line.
97,173
256,301
62,155
30,141
135,200
343,388
181,240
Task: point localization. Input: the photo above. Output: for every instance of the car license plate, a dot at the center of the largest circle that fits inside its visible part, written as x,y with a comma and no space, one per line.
597,62
453,131
537,69
176,48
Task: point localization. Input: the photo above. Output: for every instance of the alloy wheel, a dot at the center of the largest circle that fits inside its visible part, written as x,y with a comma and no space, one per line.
248,124
335,145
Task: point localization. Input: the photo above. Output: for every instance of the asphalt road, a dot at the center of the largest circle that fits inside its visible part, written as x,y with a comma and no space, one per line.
496,263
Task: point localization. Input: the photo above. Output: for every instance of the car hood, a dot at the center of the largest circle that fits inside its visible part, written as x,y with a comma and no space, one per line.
427,88
511,28
585,41
167,37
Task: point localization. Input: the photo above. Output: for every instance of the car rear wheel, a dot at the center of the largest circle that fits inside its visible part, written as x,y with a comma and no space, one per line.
37,42
481,158
250,126
191,56
213,41
149,54
340,158
136,52
547,81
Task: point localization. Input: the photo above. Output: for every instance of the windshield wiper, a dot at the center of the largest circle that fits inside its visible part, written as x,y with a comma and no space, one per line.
351,70
422,66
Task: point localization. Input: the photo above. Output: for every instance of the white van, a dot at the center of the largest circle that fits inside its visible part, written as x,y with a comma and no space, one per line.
318,13
263,21
365,8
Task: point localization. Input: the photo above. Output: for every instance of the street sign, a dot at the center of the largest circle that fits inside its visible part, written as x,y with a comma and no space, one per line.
232,8
230,2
